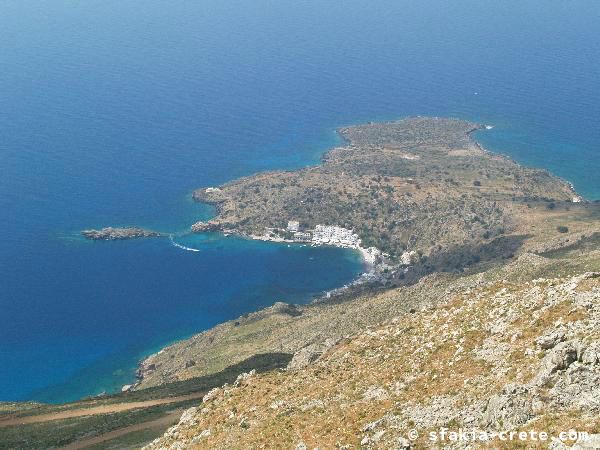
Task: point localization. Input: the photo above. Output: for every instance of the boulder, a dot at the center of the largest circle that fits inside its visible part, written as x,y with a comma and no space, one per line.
509,409
189,416
552,339
591,443
591,354
557,359
309,354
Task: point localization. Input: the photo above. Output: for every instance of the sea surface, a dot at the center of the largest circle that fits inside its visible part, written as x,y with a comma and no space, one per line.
112,111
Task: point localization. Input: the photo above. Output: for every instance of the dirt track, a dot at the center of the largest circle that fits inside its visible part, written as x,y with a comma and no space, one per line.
161,423
9,420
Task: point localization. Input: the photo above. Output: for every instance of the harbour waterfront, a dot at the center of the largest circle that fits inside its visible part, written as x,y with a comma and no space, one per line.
111,113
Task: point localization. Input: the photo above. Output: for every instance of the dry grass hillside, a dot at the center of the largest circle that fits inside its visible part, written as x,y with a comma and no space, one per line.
496,326
286,328
504,350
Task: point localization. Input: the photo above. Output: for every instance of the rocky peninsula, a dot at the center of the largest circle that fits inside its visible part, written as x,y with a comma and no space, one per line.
422,191
114,234
481,311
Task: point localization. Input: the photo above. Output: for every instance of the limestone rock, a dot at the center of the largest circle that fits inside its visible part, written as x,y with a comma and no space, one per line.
310,354
189,416
375,393
509,409
550,340
592,443
591,354
559,358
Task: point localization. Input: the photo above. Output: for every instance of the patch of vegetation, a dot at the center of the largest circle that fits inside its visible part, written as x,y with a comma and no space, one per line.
583,245
133,440
62,432
59,433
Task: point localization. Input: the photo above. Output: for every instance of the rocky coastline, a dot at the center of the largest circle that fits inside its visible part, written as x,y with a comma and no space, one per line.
419,195
421,190
477,307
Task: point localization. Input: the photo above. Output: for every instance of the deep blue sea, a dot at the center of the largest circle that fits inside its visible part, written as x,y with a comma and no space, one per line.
112,111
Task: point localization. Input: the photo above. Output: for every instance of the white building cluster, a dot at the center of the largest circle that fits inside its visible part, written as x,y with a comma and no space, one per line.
302,236
409,258
325,234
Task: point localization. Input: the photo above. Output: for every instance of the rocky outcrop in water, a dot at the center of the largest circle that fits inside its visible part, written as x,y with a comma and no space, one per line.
114,234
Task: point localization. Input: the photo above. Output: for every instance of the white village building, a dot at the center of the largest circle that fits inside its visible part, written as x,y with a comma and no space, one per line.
302,236
325,234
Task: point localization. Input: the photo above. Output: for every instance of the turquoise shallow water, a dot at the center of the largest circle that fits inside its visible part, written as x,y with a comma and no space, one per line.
111,112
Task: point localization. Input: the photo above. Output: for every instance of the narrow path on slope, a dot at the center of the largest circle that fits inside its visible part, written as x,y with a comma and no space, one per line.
162,423
95,410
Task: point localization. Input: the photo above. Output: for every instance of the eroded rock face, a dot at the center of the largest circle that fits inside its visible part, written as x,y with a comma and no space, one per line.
509,409
113,234
559,358
591,354
310,354
205,227
550,340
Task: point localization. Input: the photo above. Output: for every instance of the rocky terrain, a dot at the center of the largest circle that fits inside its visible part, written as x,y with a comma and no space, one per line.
494,353
534,211
494,326
113,234
289,328
418,184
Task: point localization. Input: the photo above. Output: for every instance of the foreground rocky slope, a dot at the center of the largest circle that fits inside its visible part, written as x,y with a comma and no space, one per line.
289,328
497,352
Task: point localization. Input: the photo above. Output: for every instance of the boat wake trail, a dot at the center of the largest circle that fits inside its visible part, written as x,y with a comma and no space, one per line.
182,247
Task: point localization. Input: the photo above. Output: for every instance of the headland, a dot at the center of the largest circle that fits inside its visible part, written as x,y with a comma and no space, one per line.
479,307
417,197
